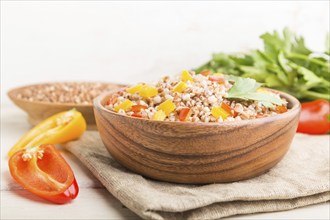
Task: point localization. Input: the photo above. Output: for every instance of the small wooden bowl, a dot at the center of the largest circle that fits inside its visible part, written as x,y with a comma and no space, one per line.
38,111
197,153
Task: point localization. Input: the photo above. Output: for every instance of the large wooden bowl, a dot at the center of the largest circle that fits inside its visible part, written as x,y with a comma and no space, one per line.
38,111
197,152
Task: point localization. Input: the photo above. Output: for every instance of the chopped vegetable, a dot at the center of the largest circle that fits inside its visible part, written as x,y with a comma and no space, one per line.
148,91
185,76
57,129
125,105
285,64
112,100
180,87
138,108
44,172
136,115
206,72
184,114
281,109
314,117
168,106
159,116
134,89
219,78
218,112
227,108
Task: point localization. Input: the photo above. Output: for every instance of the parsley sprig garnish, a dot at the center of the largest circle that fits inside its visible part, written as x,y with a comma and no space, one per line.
247,89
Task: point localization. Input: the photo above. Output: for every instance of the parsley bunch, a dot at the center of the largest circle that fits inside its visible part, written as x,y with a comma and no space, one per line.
284,64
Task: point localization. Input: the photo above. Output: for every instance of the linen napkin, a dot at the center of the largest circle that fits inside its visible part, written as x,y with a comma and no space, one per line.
302,178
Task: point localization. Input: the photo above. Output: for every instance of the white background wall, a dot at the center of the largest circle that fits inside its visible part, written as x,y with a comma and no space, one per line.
127,42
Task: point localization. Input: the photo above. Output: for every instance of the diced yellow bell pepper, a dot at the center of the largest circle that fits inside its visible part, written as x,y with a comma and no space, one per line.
134,89
180,87
262,90
218,112
217,74
148,91
125,105
168,106
57,129
185,76
159,115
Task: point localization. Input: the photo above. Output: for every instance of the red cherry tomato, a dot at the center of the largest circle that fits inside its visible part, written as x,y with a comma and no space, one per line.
314,117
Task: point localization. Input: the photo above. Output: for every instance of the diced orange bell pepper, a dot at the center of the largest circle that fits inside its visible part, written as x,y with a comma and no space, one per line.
168,106
218,112
281,109
159,116
112,100
184,114
136,115
227,108
206,72
217,77
59,128
138,108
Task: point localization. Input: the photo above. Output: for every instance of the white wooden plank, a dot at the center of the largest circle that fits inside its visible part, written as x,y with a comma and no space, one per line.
90,204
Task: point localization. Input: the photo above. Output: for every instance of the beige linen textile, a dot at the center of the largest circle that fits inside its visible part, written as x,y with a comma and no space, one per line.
301,178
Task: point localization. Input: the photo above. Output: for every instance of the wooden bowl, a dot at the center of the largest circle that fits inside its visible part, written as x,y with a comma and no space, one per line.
197,153
38,111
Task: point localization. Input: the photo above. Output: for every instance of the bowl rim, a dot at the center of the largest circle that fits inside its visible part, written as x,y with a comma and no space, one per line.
12,94
296,106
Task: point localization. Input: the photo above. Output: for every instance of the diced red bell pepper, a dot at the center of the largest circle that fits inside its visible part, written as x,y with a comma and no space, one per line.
184,114
138,108
218,79
206,72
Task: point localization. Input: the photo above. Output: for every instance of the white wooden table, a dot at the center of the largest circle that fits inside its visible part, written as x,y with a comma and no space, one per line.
93,201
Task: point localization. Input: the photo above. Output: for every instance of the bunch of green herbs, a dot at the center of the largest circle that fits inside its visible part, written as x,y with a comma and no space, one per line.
284,64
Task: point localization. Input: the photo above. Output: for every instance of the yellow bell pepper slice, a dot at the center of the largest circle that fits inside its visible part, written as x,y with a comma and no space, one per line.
57,129
134,89
125,105
148,91
218,112
168,106
180,87
185,76
159,115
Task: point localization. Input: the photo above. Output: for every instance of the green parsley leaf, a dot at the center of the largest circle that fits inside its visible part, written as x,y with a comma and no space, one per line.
246,89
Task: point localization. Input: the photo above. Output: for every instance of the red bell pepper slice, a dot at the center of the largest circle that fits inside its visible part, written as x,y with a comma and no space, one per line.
138,108
44,172
184,114
218,79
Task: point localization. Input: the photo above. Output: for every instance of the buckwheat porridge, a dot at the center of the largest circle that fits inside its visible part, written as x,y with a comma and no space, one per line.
203,97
